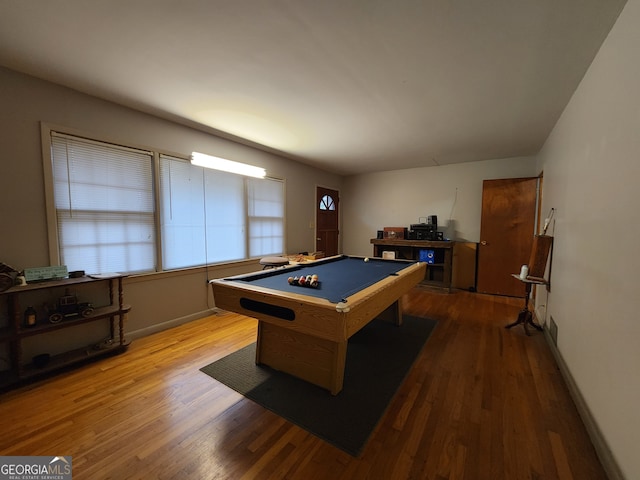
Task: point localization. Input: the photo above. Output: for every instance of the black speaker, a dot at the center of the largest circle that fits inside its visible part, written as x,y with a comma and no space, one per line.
380,235
432,220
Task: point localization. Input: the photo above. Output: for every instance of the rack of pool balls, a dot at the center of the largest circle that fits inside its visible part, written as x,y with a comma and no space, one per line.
302,281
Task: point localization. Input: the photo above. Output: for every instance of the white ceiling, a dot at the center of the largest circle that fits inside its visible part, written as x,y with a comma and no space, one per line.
350,86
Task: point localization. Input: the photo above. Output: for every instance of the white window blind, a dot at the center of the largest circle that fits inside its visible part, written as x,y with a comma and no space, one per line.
226,218
201,214
181,214
104,206
266,216
204,215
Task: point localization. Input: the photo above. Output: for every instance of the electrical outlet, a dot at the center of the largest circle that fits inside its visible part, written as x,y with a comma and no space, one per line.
553,330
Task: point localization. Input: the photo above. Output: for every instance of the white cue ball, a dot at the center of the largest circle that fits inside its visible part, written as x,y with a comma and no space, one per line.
366,259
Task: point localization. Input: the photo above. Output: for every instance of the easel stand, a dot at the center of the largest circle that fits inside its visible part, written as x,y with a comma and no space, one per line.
525,317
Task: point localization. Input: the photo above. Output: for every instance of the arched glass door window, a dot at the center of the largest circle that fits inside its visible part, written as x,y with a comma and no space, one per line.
327,203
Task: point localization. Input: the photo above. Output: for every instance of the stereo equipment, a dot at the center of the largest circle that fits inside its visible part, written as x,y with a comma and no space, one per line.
423,231
398,233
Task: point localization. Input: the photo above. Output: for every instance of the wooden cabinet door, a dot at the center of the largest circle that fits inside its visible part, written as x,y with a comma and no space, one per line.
506,234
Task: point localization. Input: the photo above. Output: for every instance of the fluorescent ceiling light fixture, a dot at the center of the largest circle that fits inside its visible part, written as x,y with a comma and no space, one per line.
208,161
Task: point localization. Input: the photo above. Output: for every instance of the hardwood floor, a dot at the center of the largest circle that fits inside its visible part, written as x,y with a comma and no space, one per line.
481,402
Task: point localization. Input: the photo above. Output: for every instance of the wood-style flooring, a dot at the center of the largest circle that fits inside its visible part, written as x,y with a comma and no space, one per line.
481,402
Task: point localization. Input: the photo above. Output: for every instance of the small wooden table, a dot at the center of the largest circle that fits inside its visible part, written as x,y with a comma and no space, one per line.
525,317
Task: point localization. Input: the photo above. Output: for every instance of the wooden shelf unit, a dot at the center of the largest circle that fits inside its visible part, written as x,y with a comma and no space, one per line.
15,332
438,273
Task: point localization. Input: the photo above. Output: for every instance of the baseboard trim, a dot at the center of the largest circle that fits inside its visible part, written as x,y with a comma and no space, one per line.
144,332
603,451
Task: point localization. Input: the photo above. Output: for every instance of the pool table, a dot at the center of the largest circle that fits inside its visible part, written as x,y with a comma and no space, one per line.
304,331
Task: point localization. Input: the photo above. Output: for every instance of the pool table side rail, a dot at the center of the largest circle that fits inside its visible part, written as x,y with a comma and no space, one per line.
370,302
314,315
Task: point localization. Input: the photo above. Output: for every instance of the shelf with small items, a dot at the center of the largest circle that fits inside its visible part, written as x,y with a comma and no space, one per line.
439,257
56,362
67,313
98,314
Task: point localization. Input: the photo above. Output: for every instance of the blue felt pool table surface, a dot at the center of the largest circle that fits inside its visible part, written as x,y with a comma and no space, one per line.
339,277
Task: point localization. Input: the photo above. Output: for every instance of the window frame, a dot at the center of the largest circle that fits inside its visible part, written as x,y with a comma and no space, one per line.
50,208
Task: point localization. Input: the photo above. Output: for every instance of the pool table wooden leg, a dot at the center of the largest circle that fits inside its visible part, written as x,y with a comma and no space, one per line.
393,312
259,344
317,360
340,359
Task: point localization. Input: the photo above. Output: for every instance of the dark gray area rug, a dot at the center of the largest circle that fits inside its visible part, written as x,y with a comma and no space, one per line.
378,358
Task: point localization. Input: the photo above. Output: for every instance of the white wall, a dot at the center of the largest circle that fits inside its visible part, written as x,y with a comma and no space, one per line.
399,198
158,298
591,165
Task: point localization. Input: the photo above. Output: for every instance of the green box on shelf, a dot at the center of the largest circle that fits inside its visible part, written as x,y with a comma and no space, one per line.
40,274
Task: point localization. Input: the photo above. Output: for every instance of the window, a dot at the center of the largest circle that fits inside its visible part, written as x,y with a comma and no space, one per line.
327,203
266,216
201,214
104,206
181,214
105,201
209,216
225,219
